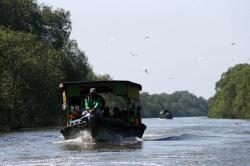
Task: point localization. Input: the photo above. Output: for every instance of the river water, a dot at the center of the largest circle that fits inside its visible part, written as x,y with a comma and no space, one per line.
180,141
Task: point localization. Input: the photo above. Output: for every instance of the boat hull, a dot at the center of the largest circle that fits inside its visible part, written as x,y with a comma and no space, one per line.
103,129
166,117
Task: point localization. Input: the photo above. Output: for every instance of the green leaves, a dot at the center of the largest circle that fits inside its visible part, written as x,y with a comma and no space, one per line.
20,15
55,26
232,94
51,26
30,73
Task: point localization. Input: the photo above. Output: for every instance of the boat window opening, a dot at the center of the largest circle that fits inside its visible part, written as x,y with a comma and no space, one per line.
112,101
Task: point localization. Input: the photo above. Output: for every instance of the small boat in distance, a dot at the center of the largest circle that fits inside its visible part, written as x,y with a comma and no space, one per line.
166,114
120,117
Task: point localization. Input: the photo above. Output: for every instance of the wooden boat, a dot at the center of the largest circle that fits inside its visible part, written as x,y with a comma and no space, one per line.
101,127
166,114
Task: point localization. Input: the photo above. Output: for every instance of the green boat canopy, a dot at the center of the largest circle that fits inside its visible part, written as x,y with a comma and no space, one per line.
126,89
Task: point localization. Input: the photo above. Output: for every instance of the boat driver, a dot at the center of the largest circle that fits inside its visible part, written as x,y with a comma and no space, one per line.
94,101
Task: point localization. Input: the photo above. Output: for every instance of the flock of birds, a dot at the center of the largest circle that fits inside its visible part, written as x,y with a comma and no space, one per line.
144,68
134,54
170,77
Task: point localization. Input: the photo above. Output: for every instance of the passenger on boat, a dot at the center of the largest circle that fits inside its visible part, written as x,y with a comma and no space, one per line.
117,113
106,112
94,102
75,112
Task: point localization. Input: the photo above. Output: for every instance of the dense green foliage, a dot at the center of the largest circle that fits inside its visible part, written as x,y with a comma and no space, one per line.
36,54
232,97
50,26
30,71
180,103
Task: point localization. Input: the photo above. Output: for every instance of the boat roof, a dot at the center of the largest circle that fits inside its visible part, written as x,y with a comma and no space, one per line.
100,83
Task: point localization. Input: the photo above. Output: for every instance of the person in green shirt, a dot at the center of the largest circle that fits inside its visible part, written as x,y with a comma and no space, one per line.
94,101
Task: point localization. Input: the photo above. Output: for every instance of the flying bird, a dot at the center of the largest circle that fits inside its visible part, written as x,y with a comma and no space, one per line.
133,54
170,78
145,69
146,37
199,58
233,44
110,40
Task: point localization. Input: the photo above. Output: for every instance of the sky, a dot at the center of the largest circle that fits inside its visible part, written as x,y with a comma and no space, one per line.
164,45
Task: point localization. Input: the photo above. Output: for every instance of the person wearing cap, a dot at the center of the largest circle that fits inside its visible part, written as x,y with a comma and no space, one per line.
94,101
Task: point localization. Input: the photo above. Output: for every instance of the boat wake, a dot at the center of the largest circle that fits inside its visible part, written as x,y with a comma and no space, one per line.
84,141
180,137
71,141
